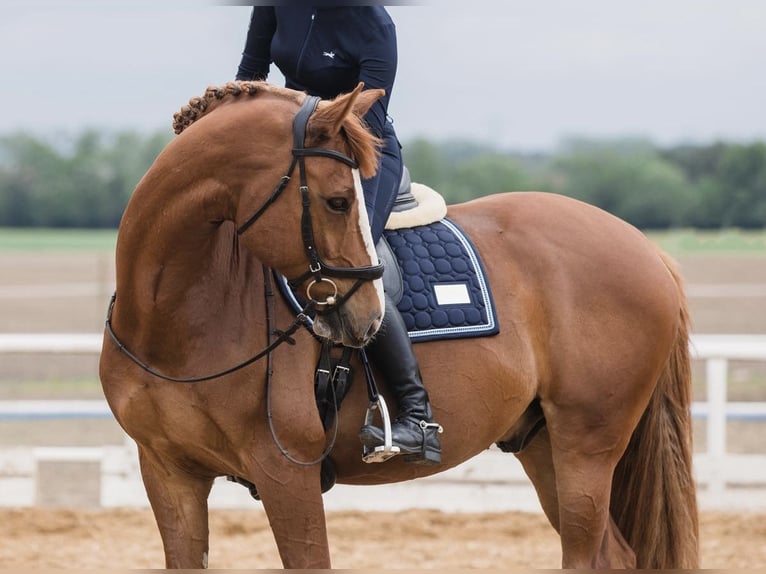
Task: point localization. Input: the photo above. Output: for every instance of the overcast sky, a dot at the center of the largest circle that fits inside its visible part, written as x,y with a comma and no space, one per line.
520,73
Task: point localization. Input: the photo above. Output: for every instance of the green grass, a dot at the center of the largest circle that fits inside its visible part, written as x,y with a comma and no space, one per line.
695,242
677,242
12,239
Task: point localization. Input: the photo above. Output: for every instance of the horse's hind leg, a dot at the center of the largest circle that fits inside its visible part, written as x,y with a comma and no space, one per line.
585,448
179,502
598,544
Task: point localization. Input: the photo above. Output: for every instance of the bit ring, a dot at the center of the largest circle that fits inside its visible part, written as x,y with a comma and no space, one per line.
330,300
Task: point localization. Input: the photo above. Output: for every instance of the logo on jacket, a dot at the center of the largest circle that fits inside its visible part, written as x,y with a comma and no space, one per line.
330,55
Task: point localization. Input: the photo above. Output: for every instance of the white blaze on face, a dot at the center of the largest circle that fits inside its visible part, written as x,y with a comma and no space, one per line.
364,225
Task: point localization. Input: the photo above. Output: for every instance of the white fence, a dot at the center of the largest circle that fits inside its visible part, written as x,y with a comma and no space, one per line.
493,481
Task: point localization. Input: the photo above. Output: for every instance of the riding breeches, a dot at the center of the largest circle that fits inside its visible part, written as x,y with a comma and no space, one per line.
381,189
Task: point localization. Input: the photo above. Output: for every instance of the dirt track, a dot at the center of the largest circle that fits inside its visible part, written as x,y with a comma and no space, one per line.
119,539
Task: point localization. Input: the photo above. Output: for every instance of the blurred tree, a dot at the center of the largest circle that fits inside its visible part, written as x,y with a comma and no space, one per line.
86,180
461,170
426,162
483,175
30,171
742,178
627,178
729,182
83,182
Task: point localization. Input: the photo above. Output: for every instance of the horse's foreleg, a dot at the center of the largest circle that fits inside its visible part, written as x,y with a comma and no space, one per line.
179,502
295,509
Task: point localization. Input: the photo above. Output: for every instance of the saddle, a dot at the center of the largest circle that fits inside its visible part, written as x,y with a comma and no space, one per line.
415,204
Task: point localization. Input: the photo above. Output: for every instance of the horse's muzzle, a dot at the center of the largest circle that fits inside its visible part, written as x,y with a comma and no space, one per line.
347,329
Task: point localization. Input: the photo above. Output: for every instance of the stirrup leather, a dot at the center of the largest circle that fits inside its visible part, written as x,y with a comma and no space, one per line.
387,450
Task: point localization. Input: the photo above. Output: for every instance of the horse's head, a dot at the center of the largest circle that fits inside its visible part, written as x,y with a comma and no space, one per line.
321,240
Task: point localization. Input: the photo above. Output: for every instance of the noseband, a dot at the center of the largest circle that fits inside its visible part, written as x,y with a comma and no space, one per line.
318,270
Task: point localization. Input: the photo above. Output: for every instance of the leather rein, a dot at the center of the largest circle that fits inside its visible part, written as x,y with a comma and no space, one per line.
318,270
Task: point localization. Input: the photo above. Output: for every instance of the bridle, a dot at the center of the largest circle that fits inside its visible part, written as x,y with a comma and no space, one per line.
318,270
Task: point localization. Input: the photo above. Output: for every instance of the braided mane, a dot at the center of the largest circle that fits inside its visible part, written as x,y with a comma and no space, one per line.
201,105
365,146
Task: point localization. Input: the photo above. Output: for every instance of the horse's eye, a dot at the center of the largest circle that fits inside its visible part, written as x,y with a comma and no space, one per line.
339,204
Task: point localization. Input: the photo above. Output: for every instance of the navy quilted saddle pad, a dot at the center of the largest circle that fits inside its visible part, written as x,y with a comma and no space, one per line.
443,291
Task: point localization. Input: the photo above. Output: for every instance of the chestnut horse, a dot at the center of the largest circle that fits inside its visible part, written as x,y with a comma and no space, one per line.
593,340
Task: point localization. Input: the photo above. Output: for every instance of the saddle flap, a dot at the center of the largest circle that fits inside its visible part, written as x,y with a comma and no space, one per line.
393,284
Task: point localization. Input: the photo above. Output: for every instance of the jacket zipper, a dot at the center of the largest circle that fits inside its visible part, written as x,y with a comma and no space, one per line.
305,43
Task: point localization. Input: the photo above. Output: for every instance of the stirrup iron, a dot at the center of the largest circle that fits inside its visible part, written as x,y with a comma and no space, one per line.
387,450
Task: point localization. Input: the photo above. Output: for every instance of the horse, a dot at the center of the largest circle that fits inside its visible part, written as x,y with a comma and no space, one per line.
589,376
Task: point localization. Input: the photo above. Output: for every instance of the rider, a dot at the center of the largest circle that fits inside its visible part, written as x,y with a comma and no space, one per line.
326,52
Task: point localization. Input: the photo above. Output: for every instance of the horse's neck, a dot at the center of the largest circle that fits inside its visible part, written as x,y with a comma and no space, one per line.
179,254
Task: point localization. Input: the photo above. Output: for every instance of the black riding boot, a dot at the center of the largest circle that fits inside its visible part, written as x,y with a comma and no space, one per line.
413,430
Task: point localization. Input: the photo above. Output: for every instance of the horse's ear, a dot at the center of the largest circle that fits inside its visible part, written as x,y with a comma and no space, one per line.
329,118
364,99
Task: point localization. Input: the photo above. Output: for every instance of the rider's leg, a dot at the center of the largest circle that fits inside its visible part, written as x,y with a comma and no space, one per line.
381,189
391,350
413,430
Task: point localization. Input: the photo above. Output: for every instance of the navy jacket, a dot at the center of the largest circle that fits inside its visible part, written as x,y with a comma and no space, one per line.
326,52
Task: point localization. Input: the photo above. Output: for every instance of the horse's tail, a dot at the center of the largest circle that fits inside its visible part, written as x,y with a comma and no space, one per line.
654,501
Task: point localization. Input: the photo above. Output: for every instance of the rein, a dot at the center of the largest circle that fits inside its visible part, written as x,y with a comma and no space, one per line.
302,319
270,331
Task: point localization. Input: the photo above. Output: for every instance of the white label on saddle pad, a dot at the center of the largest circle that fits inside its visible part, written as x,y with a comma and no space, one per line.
452,294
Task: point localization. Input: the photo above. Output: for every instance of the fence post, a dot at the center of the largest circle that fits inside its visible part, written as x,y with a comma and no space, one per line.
716,373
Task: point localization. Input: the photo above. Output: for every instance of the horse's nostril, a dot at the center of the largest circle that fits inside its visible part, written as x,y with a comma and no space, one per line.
373,328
